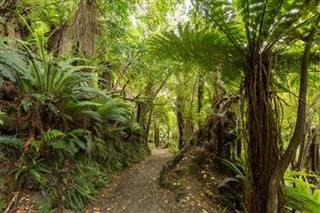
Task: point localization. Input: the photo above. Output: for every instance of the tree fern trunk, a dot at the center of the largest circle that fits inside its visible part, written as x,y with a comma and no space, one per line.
262,126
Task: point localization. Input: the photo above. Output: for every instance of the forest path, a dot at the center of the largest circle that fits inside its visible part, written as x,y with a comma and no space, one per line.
137,191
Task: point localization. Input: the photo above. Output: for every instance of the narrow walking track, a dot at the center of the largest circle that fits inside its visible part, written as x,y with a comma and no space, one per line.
138,191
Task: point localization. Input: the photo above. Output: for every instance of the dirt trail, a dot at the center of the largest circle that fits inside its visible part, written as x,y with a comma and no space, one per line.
138,191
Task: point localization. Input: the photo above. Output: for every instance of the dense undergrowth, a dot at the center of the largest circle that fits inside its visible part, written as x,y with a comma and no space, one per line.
60,134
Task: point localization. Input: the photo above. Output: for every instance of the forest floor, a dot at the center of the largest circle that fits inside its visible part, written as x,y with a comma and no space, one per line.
137,191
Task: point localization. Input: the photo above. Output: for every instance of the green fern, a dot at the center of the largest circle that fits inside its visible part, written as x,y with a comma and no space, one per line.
10,146
300,194
202,47
233,168
301,201
11,141
35,170
86,180
114,110
52,134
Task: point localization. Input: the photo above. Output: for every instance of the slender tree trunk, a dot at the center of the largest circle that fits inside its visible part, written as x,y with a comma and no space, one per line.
180,119
314,155
298,134
156,136
200,92
315,164
143,108
106,77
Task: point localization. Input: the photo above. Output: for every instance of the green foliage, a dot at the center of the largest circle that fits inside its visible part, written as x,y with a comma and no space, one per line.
74,123
10,146
189,45
2,203
64,144
237,169
238,178
34,169
85,181
114,110
49,12
2,199
173,146
44,206
1,113
200,47
300,194
43,74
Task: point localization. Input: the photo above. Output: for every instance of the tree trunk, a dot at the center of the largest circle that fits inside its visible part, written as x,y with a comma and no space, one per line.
298,134
313,156
262,126
200,92
106,77
180,120
156,136
316,158
11,25
82,31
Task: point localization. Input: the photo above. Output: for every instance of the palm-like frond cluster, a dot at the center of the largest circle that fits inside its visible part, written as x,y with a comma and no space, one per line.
204,47
188,45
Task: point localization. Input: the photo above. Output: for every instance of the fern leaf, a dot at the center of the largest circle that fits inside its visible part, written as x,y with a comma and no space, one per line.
11,141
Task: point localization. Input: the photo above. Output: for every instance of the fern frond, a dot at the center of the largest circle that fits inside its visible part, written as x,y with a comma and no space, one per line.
11,141
301,201
53,134
92,115
201,47
298,192
114,110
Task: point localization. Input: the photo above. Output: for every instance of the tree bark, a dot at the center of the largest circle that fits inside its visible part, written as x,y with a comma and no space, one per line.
200,92
180,119
11,25
156,136
298,134
262,125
